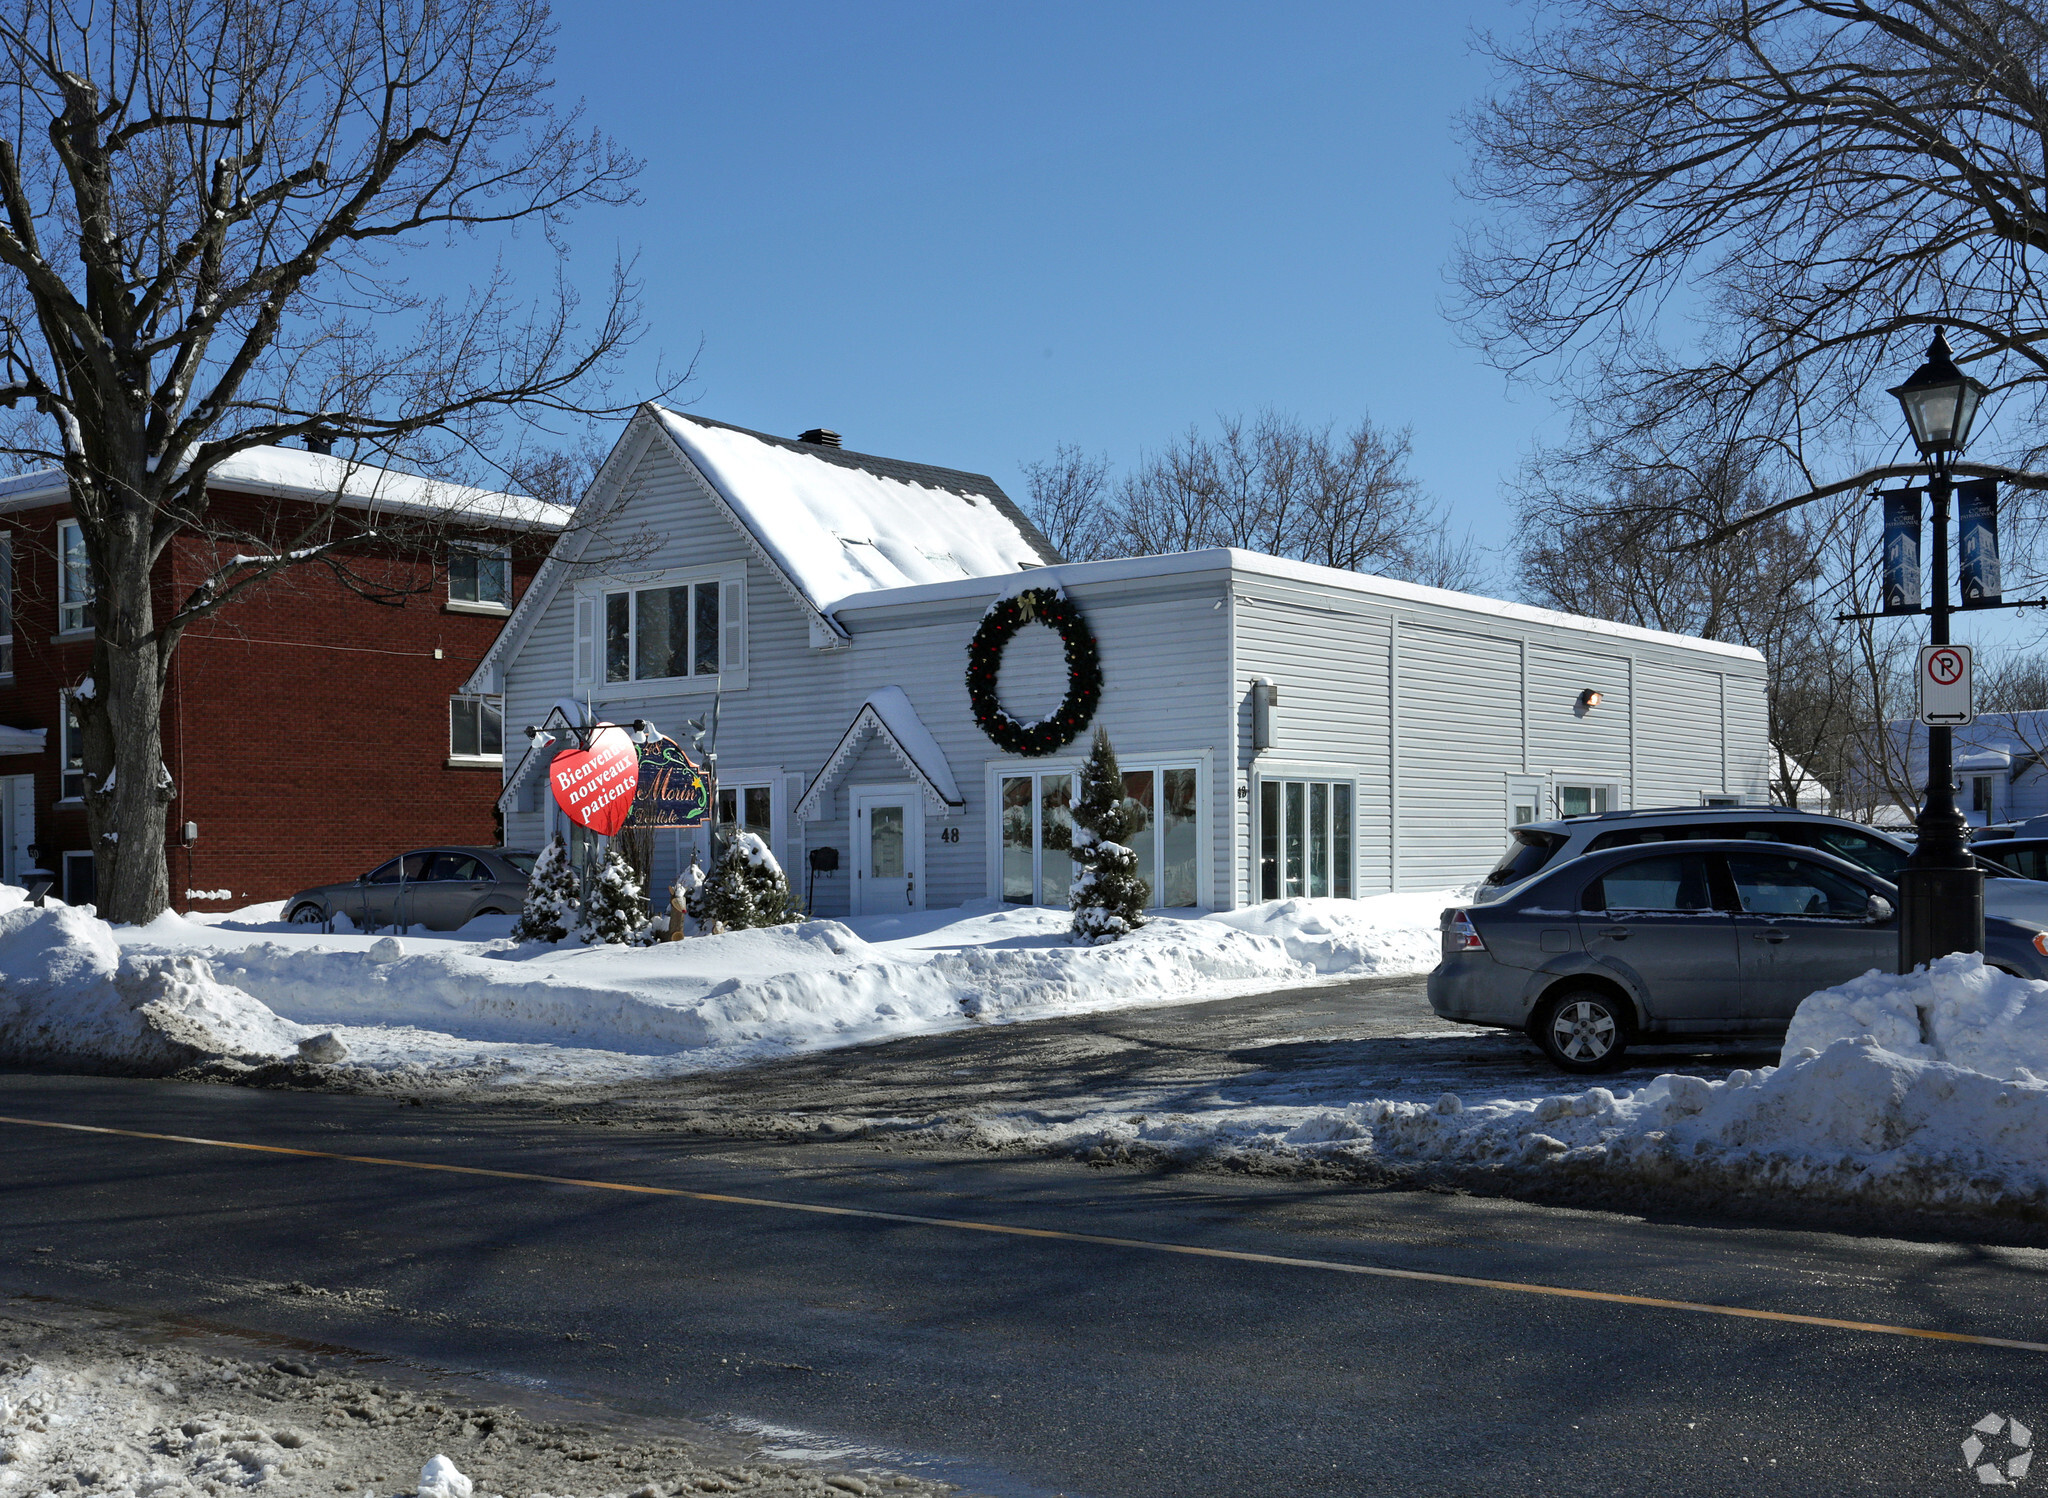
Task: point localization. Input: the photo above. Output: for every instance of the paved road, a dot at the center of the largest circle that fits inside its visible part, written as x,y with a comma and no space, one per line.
1372,1037
1041,1365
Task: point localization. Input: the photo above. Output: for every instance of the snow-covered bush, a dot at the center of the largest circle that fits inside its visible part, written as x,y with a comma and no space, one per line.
615,907
1109,898
551,904
746,887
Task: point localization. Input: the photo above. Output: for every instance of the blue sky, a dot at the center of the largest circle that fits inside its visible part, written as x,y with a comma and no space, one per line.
964,234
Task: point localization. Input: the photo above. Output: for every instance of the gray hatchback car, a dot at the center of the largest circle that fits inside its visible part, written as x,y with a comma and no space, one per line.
439,888
1695,938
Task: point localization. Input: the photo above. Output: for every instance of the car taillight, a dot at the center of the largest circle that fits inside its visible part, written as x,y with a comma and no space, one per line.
1464,936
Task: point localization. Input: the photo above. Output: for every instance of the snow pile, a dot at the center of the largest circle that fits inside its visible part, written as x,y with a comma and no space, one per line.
69,996
1379,934
1957,1010
1919,1091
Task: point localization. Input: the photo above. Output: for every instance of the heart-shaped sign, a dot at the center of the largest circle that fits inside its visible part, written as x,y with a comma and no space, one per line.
595,786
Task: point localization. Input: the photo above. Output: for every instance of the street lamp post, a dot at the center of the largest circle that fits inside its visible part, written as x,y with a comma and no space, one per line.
1941,886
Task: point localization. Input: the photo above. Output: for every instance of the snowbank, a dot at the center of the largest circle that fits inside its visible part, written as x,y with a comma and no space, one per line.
69,996
1380,934
1956,1010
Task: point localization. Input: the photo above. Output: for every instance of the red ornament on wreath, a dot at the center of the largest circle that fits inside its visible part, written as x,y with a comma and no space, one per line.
1049,735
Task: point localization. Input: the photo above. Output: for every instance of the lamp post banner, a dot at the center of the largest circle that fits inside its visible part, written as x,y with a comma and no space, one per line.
595,786
672,788
1977,541
1901,550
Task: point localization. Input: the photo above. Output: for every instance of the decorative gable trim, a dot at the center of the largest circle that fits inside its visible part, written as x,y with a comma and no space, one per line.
934,779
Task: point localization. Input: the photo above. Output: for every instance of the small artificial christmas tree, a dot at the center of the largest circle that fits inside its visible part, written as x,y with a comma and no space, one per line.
747,888
551,904
615,910
1109,898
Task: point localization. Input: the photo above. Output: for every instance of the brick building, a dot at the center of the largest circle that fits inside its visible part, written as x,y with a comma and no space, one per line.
310,731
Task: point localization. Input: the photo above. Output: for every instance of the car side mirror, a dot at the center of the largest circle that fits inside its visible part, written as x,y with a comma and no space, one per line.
1879,909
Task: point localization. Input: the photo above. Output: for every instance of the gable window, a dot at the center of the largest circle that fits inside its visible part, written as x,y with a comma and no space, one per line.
480,576
70,750
476,729
74,580
683,630
6,605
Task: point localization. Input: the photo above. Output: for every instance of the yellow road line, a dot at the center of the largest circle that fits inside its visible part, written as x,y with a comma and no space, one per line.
1059,1235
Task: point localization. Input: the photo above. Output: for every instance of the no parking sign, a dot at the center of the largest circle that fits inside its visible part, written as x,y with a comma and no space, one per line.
1945,695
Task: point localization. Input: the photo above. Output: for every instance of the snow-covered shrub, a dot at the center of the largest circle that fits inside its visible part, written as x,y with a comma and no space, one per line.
551,904
615,907
1109,898
746,887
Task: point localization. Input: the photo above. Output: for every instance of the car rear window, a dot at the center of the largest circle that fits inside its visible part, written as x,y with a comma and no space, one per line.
520,861
1526,855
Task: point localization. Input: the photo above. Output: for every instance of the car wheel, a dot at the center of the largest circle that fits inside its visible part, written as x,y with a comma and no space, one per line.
1583,1030
307,915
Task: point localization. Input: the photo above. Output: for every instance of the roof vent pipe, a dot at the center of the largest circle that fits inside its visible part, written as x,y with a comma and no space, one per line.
820,437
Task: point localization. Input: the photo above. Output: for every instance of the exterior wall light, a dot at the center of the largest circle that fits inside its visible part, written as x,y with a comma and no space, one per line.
1588,700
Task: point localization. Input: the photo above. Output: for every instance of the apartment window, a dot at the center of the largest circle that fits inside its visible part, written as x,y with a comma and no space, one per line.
1306,839
747,808
682,629
70,749
6,605
1583,800
74,579
480,575
476,728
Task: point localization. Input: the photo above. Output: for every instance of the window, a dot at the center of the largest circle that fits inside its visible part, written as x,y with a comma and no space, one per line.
688,631
480,575
1305,838
1980,794
1038,838
74,580
456,868
1670,882
749,808
6,605
2028,860
1773,884
70,749
81,879
1036,834
1710,799
410,869
1582,800
1525,801
476,728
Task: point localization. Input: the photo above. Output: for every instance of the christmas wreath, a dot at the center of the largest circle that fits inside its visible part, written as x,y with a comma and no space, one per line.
1005,617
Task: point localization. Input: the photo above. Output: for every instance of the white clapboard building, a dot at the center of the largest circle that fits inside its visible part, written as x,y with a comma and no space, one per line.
1290,729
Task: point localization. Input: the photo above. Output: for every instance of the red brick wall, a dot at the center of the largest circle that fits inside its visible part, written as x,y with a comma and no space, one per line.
306,726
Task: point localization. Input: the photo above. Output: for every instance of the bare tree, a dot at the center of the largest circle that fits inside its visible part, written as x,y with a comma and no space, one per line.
1067,501
206,213
1169,503
1738,219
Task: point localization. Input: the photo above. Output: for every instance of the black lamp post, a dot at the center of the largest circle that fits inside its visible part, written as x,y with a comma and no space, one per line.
1941,886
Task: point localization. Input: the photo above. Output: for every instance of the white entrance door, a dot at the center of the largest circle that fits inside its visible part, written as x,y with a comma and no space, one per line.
888,849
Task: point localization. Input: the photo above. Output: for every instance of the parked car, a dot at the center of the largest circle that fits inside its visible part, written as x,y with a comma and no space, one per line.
2022,847
439,888
1535,846
1712,938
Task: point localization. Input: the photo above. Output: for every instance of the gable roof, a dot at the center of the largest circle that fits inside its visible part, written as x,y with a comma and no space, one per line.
839,523
887,714
294,473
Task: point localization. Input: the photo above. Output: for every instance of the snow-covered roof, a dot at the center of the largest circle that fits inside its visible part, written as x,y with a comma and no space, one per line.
21,740
1258,564
294,473
887,713
839,523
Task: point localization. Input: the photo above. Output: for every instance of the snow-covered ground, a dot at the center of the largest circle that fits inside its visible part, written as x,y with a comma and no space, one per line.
475,1006
1924,1091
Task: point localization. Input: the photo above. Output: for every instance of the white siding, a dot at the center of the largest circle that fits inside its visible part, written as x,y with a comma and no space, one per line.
1458,735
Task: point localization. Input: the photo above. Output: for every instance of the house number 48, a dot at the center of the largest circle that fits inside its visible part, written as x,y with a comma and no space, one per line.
949,834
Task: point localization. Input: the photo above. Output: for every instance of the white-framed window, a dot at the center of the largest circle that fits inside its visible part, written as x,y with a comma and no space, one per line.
1716,798
671,632
749,808
1034,832
1307,837
70,749
480,576
1525,800
1576,798
6,605
476,729
74,579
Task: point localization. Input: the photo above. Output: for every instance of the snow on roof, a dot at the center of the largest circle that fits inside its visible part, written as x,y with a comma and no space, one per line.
888,712
294,473
1221,558
21,740
840,524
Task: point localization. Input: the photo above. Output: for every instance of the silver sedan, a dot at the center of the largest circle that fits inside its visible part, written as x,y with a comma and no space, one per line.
439,888
1677,940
